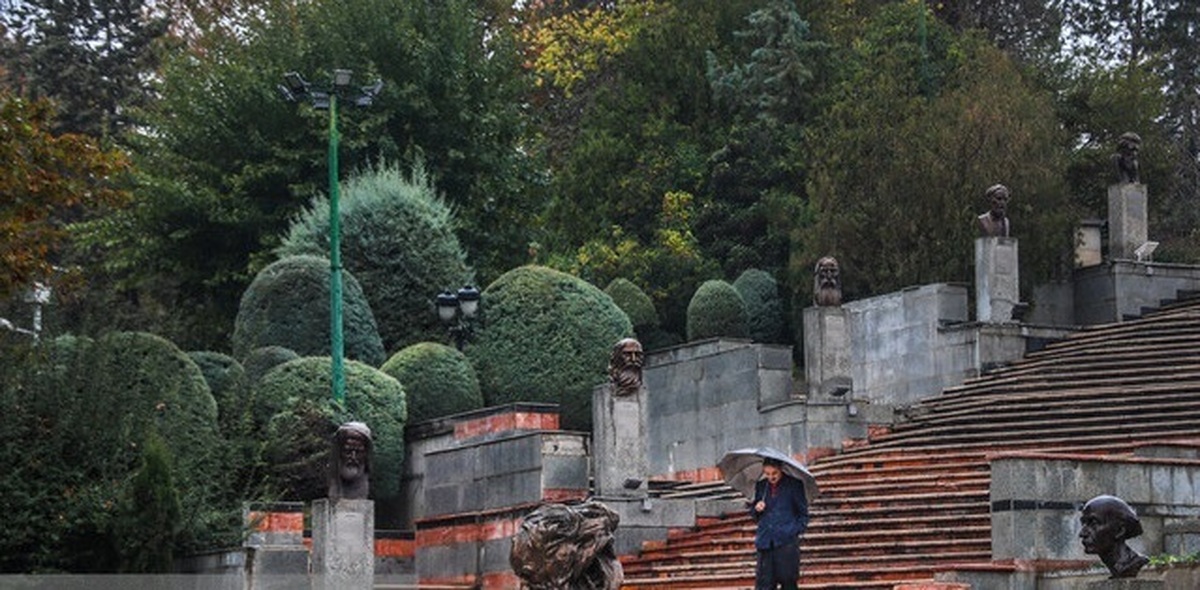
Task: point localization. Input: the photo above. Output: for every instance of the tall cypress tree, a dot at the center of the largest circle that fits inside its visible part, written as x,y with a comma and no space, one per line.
92,57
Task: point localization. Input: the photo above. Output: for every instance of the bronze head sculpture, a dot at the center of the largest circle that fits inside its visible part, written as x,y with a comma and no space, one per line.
351,473
561,547
1107,522
1126,158
994,222
827,282
625,366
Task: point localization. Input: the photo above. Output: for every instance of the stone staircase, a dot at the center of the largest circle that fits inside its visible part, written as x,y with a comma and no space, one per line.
914,500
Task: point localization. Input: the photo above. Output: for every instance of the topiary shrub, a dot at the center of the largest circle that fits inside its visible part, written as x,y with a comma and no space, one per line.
398,239
438,380
263,359
546,338
764,308
716,310
297,396
81,412
226,380
634,302
287,305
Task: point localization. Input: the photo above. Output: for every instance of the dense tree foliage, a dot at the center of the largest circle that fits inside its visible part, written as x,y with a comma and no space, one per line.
48,180
764,305
717,310
398,239
92,58
902,160
438,380
546,338
303,418
288,305
226,160
78,414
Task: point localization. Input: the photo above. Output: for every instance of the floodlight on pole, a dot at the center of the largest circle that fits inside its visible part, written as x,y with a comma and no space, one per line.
296,88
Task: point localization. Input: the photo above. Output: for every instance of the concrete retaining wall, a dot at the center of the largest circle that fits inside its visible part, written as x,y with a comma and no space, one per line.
1110,292
709,397
1036,501
496,467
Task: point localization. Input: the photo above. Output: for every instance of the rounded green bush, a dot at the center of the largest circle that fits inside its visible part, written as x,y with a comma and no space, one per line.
263,359
634,302
226,380
79,413
398,239
546,338
716,310
764,308
287,305
298,393
438,380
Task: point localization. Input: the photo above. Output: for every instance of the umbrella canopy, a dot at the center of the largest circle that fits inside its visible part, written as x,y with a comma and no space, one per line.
743,468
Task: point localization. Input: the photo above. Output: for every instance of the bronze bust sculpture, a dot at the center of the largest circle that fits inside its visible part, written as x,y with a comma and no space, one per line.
561,547
625,366
1126,158
1107,522
350,476
827,282
994,222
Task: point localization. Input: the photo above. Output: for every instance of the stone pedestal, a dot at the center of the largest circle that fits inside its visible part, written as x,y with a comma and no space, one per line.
343,544
1089,248
1126,219
997,280
827,353
619,443
1126,584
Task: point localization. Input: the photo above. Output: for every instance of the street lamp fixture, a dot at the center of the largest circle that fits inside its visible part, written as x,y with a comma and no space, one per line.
458,312
295,88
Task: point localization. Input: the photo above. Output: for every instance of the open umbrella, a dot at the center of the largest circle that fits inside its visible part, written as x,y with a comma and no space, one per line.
743,468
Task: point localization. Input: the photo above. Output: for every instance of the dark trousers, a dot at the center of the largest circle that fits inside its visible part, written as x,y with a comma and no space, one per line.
778,567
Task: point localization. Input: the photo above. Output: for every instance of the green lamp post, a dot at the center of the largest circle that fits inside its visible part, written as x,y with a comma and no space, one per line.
295,88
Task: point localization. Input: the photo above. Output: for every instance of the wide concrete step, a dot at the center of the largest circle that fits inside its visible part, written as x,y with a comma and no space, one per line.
819,541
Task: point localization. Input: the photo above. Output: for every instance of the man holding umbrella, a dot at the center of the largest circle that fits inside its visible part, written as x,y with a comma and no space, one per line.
780,507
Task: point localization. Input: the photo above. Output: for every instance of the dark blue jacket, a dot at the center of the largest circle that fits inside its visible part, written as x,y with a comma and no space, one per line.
786,516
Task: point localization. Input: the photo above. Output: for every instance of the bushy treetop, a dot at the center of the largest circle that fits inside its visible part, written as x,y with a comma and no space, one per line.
546,338
303,388
438,380
717,310
288,305
764,308
398,240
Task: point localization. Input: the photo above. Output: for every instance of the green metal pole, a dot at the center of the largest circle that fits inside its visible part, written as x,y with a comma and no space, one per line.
335,260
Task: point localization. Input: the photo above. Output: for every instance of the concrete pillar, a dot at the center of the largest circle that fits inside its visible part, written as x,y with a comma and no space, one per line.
1126,219
1088,246
343,544
619,443
827,353
997,280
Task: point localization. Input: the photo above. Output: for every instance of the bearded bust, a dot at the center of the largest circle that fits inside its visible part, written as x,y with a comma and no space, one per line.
351,473
994,221
561,547
827,283
625,366
1126,158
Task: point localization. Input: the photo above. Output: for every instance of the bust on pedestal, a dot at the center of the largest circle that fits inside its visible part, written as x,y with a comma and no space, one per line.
619,437
997,278
344,524
1127,201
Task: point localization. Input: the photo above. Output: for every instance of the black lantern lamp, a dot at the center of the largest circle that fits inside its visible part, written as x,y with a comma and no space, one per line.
458,311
